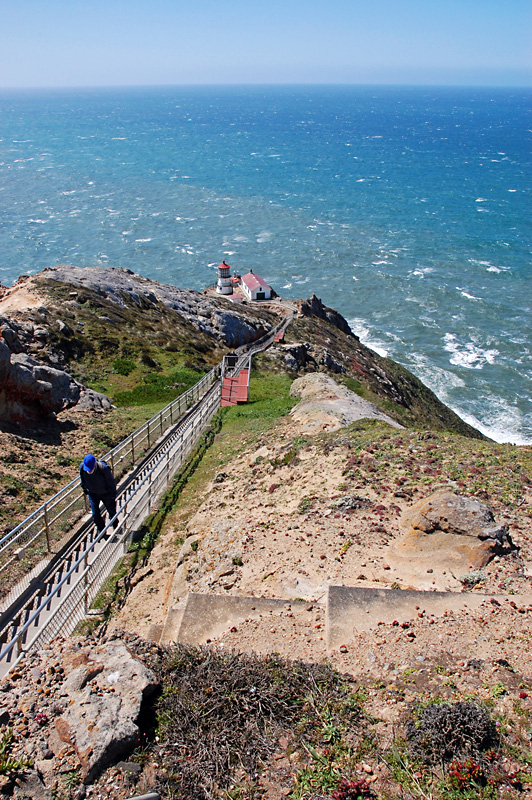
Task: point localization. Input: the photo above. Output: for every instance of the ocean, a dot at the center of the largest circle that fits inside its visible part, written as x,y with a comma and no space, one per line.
407,209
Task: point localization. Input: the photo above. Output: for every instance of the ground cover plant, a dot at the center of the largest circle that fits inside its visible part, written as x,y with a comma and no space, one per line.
221,716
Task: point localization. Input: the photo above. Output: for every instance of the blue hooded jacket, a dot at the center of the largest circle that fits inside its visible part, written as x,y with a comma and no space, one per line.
99,482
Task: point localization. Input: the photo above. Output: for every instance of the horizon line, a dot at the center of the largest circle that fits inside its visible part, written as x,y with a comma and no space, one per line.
272,84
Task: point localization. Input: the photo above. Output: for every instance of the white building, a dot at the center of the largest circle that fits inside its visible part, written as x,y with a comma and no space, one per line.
255,287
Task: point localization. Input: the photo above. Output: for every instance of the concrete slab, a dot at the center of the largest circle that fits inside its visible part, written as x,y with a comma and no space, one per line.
207,616
352,609
170,631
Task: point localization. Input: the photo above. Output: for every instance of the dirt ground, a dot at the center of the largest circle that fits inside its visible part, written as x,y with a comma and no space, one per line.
270,526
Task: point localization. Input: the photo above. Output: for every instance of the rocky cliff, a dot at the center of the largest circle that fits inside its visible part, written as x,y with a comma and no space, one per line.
79,320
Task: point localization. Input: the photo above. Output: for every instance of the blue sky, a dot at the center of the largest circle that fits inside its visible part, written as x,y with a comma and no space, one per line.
142,42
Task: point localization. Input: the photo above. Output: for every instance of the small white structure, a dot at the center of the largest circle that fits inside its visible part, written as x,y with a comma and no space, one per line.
224,285
255,287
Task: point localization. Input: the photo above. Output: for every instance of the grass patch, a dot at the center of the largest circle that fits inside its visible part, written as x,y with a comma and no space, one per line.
241,428
158,388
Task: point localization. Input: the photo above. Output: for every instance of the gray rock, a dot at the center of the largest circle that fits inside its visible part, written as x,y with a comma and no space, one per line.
29,390
451,513
89,400
105,698
11,338
30,785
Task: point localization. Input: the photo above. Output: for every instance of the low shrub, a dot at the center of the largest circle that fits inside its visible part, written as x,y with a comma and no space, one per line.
448,732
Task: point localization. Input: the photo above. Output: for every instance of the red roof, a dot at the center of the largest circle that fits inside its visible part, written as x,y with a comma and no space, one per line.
223,265
253,281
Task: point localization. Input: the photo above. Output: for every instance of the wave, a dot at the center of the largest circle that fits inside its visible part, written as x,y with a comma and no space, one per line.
360,329
505,423
468,354
466,294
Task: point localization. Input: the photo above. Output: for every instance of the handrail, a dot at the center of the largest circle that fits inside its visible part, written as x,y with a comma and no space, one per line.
143,496
137,503
69,501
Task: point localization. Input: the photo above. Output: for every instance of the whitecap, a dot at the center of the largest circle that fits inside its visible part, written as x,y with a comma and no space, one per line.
360,328
360,180
481,200
512,190
143,240
468,354
287,286
504,425
493,269
39,221
466,294
229,252
126,233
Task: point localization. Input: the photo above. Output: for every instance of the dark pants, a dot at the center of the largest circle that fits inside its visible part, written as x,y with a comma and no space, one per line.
109,501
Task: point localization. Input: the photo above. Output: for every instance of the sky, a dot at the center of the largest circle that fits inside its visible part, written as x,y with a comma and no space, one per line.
69,43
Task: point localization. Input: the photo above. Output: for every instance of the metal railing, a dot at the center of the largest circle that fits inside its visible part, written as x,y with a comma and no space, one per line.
67,603
58,514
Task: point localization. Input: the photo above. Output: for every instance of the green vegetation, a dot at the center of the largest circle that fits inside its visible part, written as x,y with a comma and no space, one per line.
8,763
124,366
157,388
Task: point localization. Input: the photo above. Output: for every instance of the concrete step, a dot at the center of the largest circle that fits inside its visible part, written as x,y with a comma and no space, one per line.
206,616
350,610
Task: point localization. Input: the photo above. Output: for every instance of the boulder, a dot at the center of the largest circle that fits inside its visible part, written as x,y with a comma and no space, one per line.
31,391
105,690
446,533
90,400
451,513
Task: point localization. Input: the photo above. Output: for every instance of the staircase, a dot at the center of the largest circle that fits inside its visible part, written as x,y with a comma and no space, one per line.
349,610
235,388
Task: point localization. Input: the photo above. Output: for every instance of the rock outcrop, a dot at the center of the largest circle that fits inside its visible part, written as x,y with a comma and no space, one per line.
29,390
446,530
326,405
313,307
231,323
81,702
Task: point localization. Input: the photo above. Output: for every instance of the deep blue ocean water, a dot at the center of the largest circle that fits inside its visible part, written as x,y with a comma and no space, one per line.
407,209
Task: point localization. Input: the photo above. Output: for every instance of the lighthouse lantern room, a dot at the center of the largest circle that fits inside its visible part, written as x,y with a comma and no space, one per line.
224,285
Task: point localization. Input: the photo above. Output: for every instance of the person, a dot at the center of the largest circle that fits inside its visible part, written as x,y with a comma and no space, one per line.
98,482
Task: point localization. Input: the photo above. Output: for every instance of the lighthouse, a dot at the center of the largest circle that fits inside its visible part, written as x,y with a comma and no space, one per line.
224,285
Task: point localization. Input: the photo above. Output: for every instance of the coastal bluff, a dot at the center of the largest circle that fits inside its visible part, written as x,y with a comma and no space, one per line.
293,510
63,327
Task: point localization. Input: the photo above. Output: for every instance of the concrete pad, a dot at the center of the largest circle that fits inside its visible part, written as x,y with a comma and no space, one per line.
207,616
352,610
170,631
